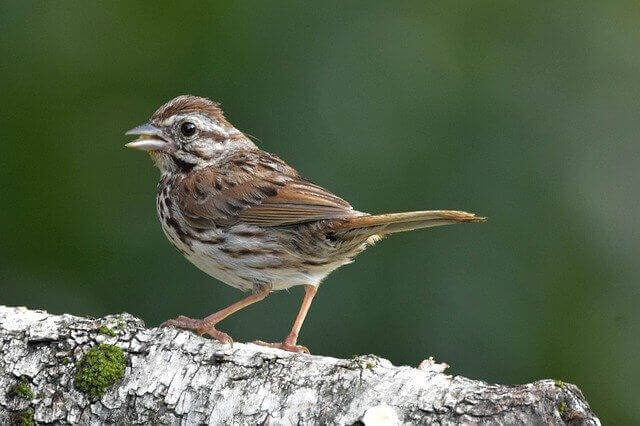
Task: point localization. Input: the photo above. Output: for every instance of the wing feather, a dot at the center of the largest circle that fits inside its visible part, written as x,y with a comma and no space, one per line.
256,188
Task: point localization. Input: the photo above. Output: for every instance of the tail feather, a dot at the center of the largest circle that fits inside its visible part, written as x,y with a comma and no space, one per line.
391,223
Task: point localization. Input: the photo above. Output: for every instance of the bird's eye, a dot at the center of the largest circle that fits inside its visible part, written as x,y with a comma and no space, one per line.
188,128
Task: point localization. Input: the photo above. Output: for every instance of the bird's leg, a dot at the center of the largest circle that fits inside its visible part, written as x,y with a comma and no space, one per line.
207,325
289,343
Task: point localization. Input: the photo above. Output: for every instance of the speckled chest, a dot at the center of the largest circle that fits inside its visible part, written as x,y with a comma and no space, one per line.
206,249
173,229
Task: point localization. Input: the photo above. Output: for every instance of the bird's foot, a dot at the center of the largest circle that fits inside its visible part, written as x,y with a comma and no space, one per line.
200,326
288,344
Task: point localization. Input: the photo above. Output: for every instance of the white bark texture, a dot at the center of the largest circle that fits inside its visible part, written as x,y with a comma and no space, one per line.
176,377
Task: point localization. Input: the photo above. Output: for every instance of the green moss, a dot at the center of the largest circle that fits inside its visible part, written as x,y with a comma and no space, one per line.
559,383
364,361
562,407
21,389
100,368
121,325
23,418
65,360
103,329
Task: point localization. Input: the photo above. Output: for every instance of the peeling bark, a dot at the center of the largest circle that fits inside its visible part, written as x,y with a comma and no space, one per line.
176,377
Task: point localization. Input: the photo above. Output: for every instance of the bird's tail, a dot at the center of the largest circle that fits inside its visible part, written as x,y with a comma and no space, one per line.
391,223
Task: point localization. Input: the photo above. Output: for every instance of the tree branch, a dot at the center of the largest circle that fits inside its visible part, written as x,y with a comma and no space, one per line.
174,376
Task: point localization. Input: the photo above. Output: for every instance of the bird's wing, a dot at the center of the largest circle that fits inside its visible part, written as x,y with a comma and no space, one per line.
254,187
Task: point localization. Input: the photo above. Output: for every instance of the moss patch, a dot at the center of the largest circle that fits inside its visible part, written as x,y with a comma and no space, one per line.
103,329
23,418
100,368
559,383
562,407
363,361
21,389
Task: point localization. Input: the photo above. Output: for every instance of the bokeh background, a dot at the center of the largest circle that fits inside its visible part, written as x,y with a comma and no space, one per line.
527,112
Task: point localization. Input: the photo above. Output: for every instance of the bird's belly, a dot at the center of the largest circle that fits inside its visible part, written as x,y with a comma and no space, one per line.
247,257
208,257
210,262
247,268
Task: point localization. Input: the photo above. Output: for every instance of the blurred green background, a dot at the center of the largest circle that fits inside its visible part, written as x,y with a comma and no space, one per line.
527,112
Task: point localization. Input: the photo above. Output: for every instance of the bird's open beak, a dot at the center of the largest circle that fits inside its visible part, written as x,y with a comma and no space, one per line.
151,138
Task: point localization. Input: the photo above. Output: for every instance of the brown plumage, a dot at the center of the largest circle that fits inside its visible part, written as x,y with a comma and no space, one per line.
256,188
250,220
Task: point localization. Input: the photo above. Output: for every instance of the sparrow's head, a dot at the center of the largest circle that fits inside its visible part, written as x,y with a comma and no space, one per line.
186,133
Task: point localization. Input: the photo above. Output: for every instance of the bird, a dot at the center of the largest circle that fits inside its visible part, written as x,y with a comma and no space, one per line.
247,218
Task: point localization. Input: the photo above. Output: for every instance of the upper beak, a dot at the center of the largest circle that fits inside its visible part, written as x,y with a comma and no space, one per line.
150,138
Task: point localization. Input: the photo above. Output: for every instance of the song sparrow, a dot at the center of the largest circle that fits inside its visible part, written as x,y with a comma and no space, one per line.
249,219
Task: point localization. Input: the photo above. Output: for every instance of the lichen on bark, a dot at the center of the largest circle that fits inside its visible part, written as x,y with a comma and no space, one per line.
176,377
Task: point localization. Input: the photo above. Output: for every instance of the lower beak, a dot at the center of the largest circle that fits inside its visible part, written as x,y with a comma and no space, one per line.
150,139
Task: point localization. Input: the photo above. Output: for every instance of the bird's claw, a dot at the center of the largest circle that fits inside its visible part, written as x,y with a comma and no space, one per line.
285,346
200,327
